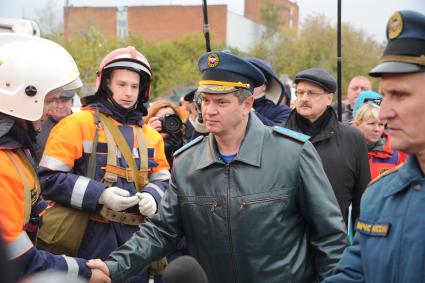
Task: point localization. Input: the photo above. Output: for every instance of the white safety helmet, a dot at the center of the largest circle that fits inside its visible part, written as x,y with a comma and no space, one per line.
30,68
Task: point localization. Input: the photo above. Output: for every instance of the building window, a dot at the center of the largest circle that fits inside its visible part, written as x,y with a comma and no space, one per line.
122,22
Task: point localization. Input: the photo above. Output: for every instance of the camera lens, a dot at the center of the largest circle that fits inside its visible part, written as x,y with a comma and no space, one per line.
171,123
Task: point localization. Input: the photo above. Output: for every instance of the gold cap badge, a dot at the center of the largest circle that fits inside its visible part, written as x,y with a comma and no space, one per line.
213,60
395,25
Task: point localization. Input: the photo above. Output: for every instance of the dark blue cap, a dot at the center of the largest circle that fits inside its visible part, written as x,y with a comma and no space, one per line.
405,50
223,72
275,89
317,76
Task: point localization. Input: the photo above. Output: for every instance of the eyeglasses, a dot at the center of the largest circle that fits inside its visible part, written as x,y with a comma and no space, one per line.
309,93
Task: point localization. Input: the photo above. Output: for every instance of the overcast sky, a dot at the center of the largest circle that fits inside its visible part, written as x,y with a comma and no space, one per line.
369,15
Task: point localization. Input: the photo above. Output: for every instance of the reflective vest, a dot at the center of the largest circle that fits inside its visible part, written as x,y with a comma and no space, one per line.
381,161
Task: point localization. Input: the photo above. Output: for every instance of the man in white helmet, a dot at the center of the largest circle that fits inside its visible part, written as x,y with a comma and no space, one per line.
32,70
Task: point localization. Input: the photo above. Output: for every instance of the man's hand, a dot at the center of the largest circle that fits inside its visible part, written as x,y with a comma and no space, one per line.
147,204
98,276
100,272
117,199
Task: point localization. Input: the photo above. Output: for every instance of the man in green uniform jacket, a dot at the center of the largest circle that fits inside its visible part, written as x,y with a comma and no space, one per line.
253,202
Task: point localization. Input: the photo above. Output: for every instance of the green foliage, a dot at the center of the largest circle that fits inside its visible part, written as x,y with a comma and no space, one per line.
316,46
174,64
270,15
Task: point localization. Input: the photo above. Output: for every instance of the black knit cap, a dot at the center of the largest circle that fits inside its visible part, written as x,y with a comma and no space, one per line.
317,76
405,50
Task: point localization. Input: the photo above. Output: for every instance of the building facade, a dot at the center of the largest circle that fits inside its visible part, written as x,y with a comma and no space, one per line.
171,22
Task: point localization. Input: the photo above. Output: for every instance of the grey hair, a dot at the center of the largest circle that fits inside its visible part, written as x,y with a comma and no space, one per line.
242,94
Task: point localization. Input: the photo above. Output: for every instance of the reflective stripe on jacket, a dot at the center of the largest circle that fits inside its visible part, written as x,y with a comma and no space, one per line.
19,246
12,196
65,161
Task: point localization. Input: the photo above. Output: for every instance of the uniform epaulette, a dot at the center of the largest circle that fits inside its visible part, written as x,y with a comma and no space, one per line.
386,173
188,145
291,134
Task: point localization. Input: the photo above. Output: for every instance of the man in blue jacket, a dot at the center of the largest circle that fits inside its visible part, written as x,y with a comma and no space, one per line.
268,97
390,245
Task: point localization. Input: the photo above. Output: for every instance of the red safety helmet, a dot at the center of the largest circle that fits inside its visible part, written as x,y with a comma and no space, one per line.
127,58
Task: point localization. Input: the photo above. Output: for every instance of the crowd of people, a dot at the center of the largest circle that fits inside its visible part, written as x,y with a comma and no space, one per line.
253,189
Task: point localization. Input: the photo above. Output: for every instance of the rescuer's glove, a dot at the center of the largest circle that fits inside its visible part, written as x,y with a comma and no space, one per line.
117,199
147,204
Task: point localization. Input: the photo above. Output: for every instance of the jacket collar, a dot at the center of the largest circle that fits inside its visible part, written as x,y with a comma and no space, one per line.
329,130
249,152
382,150
9,142
387,147
133,117
408,174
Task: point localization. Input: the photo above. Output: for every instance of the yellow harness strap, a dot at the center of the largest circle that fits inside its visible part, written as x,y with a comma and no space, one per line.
115,139
28,199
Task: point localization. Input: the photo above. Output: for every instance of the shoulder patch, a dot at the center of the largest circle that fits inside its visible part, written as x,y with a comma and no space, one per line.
188,145
373,229
386,173
291,134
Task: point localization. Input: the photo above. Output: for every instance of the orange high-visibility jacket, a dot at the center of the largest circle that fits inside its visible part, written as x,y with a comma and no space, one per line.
63,174
19,246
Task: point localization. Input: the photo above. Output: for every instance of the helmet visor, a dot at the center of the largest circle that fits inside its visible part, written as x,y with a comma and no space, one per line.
77,83
129,64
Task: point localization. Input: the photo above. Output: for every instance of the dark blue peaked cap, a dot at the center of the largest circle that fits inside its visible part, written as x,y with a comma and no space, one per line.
405,50
275,89
223,72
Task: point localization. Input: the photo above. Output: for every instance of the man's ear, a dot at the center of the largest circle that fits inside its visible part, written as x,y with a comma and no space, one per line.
249,102
330,98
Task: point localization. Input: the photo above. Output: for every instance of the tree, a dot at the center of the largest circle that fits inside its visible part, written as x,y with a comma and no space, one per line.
174,64
50,18
271,17
315,46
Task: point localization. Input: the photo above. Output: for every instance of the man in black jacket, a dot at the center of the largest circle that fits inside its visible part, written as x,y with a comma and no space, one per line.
341,147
